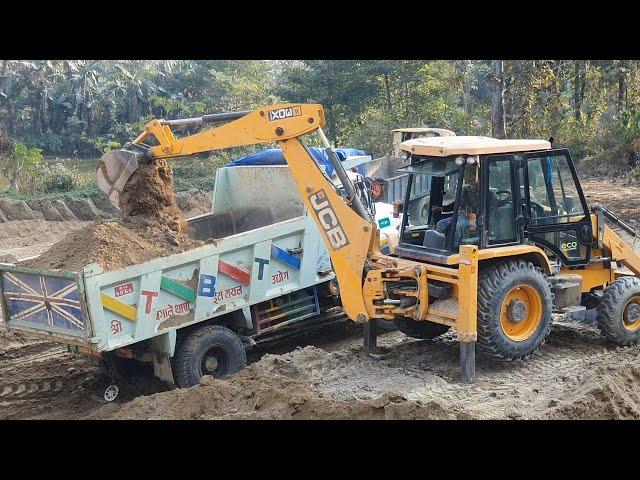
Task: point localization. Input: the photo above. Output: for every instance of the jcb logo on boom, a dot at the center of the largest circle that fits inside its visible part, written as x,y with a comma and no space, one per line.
282,113
328,219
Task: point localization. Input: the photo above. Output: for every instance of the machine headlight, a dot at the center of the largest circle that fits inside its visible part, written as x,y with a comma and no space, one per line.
471,160
459,161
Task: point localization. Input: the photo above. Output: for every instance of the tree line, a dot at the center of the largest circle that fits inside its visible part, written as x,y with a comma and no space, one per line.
84,107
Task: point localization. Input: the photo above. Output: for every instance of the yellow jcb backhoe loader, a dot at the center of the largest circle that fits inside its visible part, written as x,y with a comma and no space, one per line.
509,237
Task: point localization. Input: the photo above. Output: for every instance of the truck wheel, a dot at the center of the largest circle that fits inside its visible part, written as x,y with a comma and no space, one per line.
514,310
419,211
424,330
619,311
212,350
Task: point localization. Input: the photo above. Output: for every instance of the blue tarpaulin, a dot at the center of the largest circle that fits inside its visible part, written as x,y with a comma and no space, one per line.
274,156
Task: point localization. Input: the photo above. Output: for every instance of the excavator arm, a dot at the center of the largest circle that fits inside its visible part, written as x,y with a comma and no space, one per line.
610,242
348,229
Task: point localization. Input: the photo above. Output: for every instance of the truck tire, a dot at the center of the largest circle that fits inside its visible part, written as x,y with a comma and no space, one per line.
515,302
424,330
619,311
419,211
212,350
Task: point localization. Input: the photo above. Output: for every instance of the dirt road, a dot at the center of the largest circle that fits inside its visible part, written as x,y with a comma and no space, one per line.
327,375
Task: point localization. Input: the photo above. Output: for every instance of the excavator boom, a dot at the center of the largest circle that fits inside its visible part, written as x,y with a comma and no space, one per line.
347,226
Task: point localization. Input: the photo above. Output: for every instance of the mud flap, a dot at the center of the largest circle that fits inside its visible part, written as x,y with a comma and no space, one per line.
162,367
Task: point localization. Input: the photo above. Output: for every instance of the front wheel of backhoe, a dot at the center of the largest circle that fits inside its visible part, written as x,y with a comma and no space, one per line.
619,311
514,310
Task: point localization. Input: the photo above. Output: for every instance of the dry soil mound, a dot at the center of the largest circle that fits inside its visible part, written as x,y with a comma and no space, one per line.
262,392
113,245
611,393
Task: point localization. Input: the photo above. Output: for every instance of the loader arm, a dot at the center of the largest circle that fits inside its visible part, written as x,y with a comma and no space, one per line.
612,243
349,233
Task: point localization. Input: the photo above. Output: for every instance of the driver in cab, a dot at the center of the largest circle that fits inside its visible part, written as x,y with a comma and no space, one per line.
469,205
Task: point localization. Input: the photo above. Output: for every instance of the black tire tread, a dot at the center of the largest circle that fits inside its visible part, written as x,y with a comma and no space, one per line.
489,282
181,361
607,319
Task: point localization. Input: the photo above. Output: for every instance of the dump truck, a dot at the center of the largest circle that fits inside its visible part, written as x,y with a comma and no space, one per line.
267,275
509,239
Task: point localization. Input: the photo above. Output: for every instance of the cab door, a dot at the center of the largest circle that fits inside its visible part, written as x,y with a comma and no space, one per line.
556,214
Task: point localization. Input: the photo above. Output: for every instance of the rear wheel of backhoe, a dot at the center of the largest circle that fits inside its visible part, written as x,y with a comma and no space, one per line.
514,310
424,330
619,311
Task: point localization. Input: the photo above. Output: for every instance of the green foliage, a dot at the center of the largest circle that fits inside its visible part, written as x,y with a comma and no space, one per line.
83,108
105,145
19,161
58,177
28,157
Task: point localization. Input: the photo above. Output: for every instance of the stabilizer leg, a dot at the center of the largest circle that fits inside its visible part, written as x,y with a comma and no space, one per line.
468,362
371,341
370,335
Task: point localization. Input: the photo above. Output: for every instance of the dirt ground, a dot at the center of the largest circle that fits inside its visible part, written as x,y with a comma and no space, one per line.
327,374
28,238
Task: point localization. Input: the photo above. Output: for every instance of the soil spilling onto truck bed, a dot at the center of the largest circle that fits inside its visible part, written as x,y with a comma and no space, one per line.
148,196
113,245
152,226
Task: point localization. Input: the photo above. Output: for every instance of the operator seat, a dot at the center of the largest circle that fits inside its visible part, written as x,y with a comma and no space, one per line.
501,218
434,239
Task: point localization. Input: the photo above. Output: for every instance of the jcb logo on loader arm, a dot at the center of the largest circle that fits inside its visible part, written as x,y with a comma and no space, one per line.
328,219
282,113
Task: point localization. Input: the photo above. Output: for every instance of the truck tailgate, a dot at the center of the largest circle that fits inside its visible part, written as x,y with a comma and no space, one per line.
41,300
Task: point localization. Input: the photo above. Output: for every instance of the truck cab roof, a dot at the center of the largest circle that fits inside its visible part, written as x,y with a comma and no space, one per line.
469,145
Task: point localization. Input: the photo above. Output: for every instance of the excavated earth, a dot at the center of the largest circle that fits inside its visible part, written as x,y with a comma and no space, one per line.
152,226
327,374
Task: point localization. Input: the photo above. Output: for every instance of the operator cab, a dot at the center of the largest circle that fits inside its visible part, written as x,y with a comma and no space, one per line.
493,193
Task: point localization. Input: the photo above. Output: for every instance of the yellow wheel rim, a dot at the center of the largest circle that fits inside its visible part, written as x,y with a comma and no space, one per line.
631,314
521,312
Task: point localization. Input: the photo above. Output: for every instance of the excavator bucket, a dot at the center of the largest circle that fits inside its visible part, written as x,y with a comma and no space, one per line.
113,172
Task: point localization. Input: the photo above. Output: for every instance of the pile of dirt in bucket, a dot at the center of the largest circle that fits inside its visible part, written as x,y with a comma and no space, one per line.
152,226
148,196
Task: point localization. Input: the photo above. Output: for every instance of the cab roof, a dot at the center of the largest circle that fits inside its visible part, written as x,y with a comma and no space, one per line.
469,145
